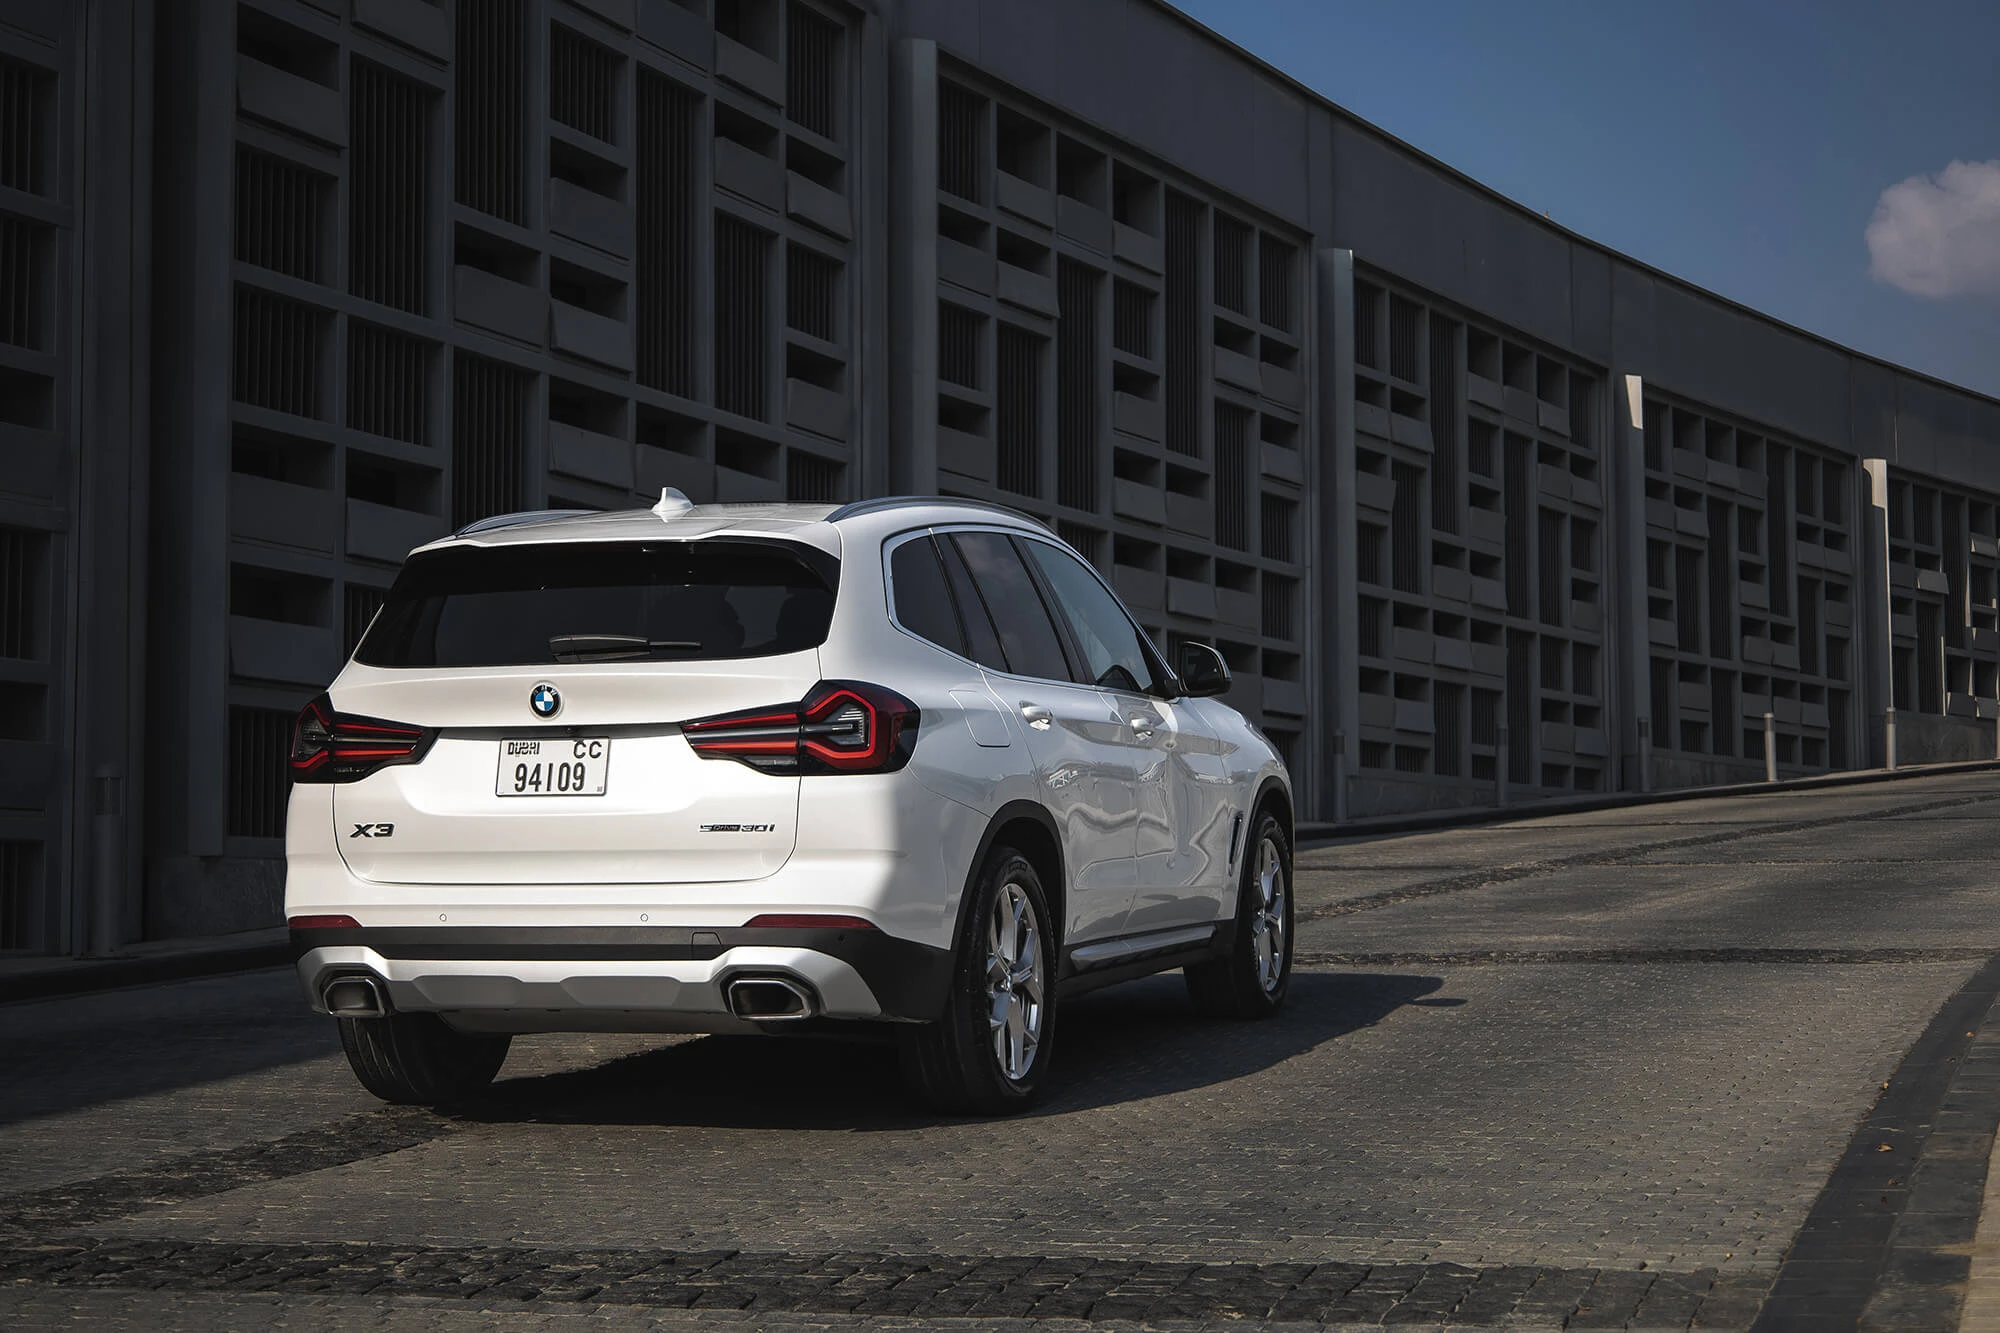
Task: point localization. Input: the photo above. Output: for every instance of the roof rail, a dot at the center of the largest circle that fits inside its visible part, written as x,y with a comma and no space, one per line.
526,516
876,506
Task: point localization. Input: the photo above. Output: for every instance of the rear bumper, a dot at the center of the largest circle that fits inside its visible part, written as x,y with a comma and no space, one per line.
595,978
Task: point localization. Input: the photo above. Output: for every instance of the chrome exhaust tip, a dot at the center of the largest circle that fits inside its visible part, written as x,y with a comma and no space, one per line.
355,997
770,999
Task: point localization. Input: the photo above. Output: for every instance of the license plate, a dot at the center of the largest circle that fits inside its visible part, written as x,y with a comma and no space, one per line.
553,766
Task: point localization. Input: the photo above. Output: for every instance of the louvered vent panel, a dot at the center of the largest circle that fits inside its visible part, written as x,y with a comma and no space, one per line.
491,73
1131,318
359,603
1406,326
1515,493
812,71
388,383
583,84
278,353
958,344
1232,263
489,423
280,215
666,235
22,578
1232,476
389,166
1280,597
1184,325
1554,566
961,136
810,479
1447,423
741,340
1406,529
1076,385
1521,711
24,249
259,776
1017,414
1278,520
1448,712
26,118
1276,282
20,886
812,292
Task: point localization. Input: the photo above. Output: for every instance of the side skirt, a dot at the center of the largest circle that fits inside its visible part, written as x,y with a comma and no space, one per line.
1102,963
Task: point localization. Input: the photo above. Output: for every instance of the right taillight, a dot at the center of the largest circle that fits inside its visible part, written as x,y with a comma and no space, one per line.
841,726
339,747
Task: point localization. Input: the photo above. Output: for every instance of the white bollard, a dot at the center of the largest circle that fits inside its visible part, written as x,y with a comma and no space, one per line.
1770,750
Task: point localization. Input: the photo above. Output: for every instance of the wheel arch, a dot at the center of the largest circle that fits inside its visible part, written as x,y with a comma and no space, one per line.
1272,796
1031,829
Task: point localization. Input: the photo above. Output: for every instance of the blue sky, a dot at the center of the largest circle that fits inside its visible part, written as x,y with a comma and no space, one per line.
1743,146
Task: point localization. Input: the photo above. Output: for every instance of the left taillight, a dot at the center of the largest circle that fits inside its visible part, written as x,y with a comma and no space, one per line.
340,747
841,726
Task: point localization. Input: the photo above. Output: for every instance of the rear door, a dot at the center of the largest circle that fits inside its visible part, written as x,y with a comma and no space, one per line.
557,676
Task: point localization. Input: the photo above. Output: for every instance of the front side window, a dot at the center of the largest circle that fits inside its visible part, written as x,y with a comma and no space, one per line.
1113,657
546,603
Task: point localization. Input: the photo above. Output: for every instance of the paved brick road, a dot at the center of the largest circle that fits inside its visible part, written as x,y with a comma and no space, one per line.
1591,1070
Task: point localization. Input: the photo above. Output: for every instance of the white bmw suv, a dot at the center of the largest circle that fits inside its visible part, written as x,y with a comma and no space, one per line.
733,768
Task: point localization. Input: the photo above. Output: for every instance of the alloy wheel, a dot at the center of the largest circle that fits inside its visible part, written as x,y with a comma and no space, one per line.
1014,981
1267,921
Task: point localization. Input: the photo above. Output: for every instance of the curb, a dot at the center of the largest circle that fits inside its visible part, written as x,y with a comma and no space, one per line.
1311,833
1887,1243
147,965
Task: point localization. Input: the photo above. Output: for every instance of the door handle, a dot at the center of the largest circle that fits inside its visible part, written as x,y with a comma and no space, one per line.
1037,716
1143,724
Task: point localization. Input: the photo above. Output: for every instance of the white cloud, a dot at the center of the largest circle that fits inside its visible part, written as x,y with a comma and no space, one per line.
1940,235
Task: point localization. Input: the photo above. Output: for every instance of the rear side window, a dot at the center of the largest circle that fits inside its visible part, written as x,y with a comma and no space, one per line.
1027,636
567,602
923,603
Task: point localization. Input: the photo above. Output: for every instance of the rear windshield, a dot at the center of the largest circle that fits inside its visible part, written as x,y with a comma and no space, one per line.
543,604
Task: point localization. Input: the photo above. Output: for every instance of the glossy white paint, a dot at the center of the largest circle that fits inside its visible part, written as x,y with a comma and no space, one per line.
1146,792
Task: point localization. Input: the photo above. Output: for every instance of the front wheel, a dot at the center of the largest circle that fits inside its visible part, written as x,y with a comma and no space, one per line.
987,1053
1250,980
417,1059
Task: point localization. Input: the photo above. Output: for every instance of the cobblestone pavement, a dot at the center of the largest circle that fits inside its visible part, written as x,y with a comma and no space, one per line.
1586,1071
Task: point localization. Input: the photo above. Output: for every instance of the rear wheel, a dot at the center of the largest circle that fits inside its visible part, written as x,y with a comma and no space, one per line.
986,1055
417,1059
1251,979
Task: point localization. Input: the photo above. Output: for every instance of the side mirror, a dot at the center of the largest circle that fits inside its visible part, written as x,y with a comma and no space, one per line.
1202,671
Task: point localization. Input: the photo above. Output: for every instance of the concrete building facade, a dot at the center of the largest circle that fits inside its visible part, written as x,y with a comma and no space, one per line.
1476,510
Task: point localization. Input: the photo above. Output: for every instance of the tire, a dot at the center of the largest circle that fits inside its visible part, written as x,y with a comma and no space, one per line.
1250,980
966,1063
417,1059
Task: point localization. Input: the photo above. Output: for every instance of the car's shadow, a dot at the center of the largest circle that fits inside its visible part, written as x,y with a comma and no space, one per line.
1131,1042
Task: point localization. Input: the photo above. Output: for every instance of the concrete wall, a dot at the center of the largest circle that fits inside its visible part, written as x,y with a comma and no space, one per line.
1469,502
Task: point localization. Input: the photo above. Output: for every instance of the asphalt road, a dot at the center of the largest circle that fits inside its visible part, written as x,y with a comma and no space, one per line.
1603,1070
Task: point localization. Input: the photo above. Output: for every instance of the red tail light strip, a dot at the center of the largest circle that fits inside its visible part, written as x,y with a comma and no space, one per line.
337,747
324,923
840,727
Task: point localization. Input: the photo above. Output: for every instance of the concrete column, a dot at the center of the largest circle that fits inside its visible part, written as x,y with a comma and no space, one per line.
1874,681
1333,471
912,343
1628,645
114,406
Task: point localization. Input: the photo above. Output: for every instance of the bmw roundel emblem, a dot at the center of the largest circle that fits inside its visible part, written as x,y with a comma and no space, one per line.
545,699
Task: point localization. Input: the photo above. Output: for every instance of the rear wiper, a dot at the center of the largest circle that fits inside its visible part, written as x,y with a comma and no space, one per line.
613,647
